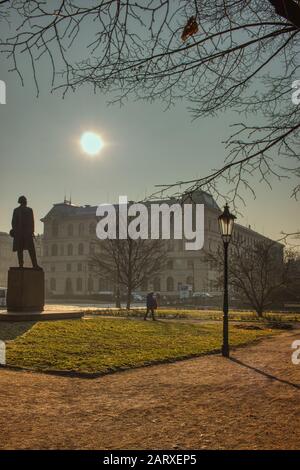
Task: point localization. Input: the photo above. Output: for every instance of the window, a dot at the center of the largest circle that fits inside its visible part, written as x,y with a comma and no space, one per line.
70,230
170,284
81,229
80,249
79,267
52,284
69,288
170,264
70,249
61,250
54,250
54,228
69,267
90,284
156,284
79,284
92,228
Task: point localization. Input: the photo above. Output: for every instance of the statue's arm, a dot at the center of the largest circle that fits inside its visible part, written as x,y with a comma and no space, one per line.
14,220
32,221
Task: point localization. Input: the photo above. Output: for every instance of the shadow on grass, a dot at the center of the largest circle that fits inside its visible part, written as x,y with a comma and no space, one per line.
11,330
265,374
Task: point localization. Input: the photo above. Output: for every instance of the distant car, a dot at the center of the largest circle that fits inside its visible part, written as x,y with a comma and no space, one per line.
3,293
137,298
202,295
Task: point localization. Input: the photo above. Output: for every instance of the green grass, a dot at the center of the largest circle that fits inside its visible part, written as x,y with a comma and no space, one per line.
179,313
100,345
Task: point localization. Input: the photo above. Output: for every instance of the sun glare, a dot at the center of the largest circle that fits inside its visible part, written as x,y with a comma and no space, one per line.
91,143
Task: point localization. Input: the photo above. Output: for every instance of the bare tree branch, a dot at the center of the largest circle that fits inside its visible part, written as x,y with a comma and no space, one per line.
240,55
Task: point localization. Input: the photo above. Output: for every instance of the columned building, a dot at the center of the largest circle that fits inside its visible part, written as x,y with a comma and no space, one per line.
69,240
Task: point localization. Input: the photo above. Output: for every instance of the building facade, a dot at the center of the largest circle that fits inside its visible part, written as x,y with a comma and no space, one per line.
8,258
69,241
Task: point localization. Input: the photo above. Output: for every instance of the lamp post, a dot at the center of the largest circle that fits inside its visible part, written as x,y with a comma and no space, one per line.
226,222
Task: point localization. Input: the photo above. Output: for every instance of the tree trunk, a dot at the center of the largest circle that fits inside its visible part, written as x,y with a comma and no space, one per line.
128,304
118,297
259,311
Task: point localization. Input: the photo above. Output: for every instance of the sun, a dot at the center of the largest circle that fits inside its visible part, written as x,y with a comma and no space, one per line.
91,143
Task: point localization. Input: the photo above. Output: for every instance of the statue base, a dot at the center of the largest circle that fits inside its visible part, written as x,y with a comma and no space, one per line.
25,290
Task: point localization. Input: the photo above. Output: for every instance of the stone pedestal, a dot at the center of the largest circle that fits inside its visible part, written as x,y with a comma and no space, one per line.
25,290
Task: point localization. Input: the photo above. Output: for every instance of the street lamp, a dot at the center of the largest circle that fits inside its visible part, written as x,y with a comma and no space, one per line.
226,222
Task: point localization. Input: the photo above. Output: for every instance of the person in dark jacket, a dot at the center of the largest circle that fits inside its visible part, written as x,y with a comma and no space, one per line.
151,305
23,232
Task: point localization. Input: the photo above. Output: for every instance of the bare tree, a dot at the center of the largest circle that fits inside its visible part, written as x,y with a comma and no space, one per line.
128,263
218,55
257,272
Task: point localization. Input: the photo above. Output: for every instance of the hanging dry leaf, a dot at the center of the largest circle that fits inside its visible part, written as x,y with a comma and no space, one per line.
190,28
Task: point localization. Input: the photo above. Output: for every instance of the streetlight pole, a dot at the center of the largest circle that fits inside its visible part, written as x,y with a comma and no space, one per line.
226,222
225,346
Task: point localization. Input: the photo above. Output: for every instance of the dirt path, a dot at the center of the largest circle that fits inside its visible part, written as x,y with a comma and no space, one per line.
250,402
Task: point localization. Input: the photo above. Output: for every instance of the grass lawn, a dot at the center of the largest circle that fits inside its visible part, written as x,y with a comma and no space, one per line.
100,345
182,313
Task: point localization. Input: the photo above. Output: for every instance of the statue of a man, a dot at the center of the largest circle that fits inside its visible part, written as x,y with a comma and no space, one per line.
23,232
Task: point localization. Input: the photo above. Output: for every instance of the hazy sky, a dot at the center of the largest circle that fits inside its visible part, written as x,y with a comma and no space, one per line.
41,155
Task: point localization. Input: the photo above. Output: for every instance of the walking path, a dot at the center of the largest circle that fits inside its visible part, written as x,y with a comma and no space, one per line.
251,401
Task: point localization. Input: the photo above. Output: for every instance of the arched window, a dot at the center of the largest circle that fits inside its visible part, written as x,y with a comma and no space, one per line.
80,229
52,284
70,230
54,228
79,284
92,228
70,249
156,284
54,250
80,249
69,288
170,284
90,284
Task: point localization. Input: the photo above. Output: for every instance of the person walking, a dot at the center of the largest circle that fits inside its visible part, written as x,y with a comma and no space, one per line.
151,305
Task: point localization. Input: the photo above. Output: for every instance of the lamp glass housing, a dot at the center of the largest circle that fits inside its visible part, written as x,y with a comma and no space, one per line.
226,223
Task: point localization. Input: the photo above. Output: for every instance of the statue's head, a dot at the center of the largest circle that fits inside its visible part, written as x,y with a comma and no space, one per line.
22,200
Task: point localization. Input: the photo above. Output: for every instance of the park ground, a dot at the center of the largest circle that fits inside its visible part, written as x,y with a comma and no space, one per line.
251,401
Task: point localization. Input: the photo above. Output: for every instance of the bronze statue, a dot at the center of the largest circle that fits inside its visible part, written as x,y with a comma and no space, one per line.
23,232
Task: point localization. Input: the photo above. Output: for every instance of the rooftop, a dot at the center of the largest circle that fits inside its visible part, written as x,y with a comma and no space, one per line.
66,208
